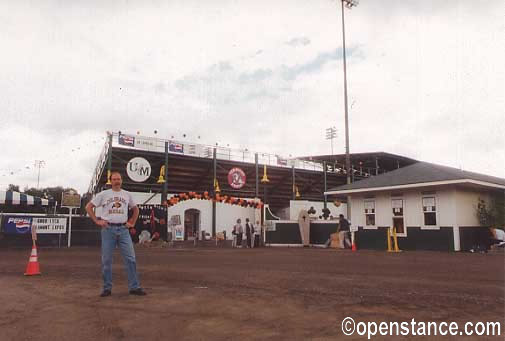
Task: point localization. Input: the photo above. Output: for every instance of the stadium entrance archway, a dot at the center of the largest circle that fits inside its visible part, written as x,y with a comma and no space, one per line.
191,223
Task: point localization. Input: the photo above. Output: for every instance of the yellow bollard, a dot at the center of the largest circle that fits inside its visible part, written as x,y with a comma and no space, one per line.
395,240
389,241
397,249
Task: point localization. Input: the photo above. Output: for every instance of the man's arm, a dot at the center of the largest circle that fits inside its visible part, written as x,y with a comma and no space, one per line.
91,212
131,222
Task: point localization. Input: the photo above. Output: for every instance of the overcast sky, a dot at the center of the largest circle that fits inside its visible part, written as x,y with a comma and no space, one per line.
426,79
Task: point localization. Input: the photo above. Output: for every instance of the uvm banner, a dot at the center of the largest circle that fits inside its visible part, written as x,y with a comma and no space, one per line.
24,224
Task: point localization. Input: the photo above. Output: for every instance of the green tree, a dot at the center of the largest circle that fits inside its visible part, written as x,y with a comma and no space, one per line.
492,214
12,187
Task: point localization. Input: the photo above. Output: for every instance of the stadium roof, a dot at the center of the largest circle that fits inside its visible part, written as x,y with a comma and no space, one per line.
384,161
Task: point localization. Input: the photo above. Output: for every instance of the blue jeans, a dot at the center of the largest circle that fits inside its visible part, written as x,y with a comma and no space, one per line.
113,236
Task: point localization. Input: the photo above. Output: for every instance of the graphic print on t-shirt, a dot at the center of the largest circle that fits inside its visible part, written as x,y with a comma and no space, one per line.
115,205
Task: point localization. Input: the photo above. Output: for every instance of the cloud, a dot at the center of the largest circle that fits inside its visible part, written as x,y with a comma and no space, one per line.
255,76
300,41
314,65
225,83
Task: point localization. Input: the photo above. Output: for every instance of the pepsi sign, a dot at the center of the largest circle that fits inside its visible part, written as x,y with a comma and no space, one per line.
18,225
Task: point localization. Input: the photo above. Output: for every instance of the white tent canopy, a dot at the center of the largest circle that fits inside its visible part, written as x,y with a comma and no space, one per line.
16,198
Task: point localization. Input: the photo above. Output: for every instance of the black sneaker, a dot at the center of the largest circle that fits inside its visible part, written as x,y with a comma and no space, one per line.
105,293
138,292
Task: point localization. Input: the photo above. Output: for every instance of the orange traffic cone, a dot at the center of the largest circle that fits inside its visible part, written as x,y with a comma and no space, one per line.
33,264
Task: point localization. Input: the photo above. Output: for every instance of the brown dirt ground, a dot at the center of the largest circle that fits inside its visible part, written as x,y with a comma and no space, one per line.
234,294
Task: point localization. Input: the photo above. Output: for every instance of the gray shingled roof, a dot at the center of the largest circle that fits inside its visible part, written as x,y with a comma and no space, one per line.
416,174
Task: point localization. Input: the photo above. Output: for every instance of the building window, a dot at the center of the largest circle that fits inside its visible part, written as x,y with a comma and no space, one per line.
397,205
429,211
370,212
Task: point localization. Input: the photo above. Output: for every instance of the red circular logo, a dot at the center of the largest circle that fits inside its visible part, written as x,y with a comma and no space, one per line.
236,178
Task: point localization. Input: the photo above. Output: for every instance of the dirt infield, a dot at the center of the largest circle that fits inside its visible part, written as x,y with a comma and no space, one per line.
230,294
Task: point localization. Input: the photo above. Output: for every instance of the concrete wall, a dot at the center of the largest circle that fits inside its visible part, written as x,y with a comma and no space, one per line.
226,214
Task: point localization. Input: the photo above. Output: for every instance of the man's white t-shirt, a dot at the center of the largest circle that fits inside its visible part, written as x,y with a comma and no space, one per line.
114,205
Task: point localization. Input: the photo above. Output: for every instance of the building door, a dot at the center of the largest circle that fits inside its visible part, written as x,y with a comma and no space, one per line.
191,223
398,222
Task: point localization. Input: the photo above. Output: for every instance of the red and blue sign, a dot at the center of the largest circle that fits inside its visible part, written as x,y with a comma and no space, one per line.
176,147
17,225
126,140
236,178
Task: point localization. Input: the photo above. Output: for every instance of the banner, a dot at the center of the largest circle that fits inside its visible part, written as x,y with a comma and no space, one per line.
24,224
126,140
49,225
146,144
193,149
281,161
176,147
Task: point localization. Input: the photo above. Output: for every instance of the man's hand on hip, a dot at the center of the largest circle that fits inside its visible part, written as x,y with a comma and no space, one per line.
102,223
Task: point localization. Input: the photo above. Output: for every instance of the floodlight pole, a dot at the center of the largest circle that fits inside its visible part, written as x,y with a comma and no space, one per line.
349,3
39,164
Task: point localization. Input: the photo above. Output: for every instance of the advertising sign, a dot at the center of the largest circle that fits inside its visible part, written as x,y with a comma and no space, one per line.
126,140
146,143
17,225
176,147
138,169
236,178
43,225
177,228
179,232
49,225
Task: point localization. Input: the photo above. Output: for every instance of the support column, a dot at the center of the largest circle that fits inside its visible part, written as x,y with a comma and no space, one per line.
293,194
165,175
325,184
214,194
109,159
457,240
257,174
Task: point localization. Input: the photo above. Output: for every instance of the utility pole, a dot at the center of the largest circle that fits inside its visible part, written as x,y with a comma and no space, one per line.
39,164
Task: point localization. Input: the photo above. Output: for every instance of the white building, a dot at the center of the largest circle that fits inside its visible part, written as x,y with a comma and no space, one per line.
431,206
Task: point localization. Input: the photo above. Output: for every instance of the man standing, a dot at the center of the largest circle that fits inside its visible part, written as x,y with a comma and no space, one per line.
249,232
343,231
238,232
114,223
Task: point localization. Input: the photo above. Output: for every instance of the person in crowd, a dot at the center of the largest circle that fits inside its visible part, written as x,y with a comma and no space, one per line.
238,233
249,232
343,232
